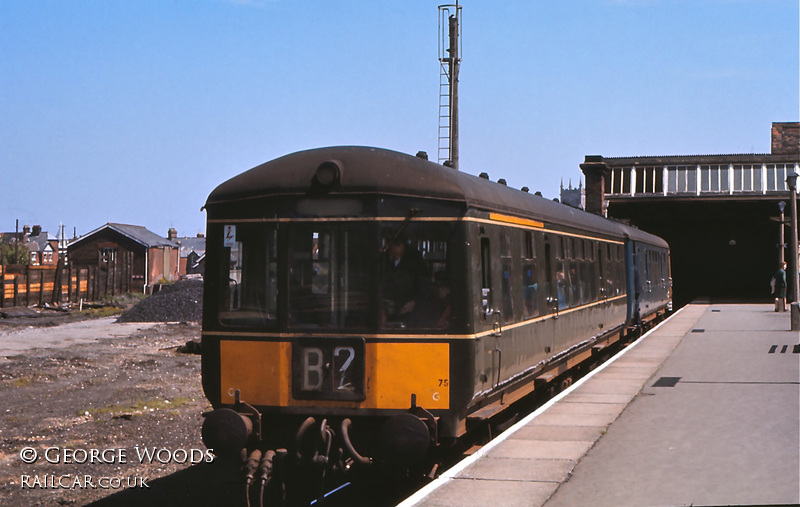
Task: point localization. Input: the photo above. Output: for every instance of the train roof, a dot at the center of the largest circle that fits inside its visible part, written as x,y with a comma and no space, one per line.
366,170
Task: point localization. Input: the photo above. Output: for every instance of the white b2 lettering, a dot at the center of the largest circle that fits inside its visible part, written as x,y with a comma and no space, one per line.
351,353
312,369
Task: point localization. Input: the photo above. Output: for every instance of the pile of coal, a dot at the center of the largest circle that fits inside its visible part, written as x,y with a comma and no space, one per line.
177,302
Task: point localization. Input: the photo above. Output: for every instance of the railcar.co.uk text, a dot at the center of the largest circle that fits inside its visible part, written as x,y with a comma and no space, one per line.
120,455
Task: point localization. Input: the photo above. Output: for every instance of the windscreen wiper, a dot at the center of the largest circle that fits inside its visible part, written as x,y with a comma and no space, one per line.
412,212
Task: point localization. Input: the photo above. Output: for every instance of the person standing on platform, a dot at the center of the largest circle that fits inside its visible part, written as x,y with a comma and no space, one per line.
779,287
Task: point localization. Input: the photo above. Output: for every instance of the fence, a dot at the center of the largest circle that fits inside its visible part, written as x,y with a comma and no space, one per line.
36,285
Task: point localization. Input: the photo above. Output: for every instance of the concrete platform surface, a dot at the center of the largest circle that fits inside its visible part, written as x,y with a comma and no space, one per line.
703,410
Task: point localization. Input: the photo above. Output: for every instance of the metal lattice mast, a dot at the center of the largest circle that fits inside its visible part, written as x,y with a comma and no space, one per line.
449,61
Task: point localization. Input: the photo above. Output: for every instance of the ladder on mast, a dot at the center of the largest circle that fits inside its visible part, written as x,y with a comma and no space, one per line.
444,113
449,60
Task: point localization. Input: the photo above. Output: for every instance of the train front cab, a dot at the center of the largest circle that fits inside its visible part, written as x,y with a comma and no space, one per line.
295,324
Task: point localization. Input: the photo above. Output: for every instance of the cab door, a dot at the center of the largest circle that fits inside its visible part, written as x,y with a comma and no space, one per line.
485,358
550,294
492,315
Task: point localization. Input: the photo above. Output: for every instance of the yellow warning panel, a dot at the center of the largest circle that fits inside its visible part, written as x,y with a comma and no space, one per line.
259,370
397,370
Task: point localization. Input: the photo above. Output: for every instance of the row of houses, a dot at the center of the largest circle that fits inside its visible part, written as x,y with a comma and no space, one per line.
129,256
38,247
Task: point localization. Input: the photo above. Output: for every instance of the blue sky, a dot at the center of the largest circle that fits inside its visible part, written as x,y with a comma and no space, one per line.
132,112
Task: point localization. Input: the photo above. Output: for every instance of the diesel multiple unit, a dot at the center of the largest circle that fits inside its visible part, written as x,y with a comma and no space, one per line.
366,307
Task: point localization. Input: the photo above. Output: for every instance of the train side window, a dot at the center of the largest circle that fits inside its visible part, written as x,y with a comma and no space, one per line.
530,286
486,274
563,285
573,275
619,269
507,312
620,264
250,276
656,267
590,272
610,271
580,294
529,246
235,265
613,275
603,287
505,243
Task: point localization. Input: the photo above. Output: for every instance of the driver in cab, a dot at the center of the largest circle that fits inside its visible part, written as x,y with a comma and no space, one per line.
401,271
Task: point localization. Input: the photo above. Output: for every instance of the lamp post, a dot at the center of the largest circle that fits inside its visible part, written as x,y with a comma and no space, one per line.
791,180
781,240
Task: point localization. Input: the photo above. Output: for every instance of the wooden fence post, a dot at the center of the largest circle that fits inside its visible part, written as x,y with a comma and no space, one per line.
2,282
69,282
112,268
95,282
78,285
130,271
27,285
99,292
57,282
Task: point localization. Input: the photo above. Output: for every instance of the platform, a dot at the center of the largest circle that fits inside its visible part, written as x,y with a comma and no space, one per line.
702,410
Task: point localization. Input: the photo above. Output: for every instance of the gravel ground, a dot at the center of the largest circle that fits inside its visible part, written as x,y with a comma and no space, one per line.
113,398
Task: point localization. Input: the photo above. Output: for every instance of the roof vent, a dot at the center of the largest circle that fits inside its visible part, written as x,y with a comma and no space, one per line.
484,176
525,189
502,181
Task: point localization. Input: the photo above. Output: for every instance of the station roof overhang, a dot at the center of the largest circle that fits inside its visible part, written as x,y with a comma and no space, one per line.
654,199
667,160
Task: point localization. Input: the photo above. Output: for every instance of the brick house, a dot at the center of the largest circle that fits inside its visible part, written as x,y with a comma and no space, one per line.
42,249
192,248
127,258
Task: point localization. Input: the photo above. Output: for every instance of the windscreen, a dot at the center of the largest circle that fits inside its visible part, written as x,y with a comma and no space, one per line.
337,275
